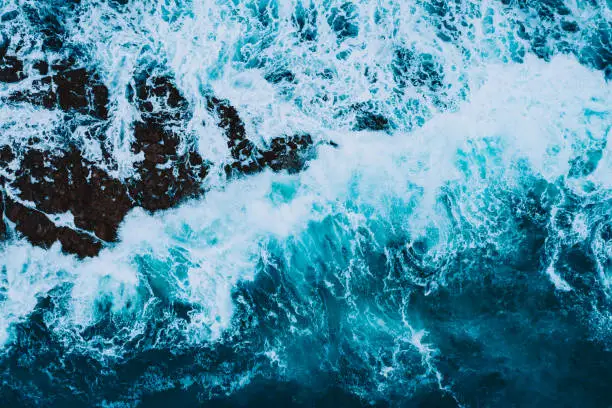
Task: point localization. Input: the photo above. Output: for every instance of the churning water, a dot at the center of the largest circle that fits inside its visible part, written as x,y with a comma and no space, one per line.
451,247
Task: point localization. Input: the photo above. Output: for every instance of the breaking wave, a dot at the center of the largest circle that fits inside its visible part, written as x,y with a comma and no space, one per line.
450,244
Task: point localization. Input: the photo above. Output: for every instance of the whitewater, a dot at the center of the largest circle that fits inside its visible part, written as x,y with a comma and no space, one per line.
449,243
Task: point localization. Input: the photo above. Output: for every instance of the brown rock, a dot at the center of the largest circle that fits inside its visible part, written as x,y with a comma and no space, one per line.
157,188
58,182
78,243
41,231
6,155
285,153
42,67
33,224
228,120
70,90
103,203
67,182
289,153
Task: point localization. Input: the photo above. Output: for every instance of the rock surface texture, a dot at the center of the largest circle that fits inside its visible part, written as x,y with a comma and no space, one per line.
61,196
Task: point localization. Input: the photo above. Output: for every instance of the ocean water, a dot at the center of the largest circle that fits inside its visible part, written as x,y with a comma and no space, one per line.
451,248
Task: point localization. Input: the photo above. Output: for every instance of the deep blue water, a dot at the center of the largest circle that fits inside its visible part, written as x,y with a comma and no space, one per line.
454,249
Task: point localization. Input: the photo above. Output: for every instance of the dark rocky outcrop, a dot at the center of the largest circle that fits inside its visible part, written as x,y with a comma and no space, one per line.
36,226
70,89
41,231
228,120
168,174
47,183
2,223
6,156
67,182
81,244
60,183
41,66
288,153
11,69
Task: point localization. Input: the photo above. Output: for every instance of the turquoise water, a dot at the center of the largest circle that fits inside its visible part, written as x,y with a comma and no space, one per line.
452,248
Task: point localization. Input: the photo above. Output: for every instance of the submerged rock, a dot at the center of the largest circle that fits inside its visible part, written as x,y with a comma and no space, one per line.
367,117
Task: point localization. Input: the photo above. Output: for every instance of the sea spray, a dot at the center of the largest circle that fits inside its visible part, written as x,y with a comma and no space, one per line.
450,246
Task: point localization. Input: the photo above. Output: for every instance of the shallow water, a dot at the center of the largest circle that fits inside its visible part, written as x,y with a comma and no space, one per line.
454,249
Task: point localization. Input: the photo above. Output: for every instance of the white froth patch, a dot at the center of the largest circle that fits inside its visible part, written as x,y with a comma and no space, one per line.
18,123
28,273
556,279
224,46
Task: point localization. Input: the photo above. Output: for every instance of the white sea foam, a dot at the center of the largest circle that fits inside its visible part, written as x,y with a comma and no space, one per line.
222,236
500,123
